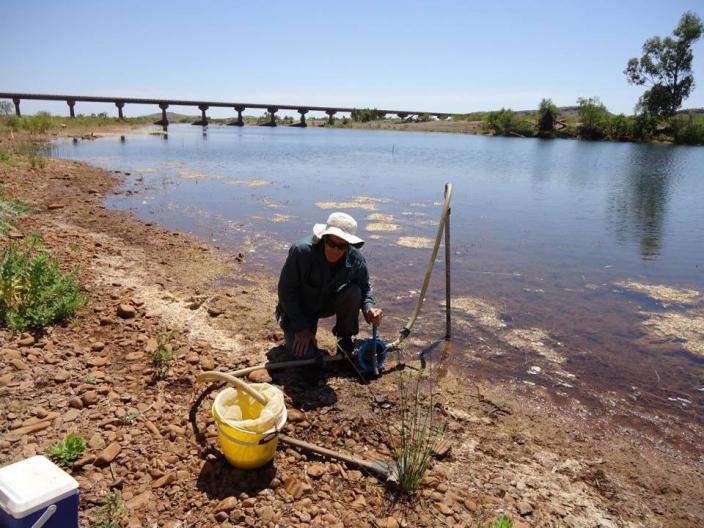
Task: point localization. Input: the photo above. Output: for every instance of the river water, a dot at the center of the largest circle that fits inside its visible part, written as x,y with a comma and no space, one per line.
545,233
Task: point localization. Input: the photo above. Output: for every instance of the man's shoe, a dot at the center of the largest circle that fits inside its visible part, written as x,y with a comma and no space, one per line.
311,375
345,345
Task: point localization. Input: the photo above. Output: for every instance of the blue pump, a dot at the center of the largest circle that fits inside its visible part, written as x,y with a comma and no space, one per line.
371,354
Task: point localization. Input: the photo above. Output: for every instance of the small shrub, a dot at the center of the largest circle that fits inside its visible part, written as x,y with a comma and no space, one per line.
36,161
38,123
65,453
6,157
162,356
13,122
130,416
502,522
9,210
33,291
112,512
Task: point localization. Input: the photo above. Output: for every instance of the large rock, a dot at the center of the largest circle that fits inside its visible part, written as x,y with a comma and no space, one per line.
108,454
165,480
138,501
296,487
26,340
96,441
227,504
259,376
126,311
294,415
90,398
316,470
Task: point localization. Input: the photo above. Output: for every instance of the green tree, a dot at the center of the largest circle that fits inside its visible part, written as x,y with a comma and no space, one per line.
666,67
6,107
547,115
506,122
363,115
618,127
688,130
593,118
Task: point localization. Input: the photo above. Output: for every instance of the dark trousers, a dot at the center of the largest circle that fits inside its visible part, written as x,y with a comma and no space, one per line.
345,306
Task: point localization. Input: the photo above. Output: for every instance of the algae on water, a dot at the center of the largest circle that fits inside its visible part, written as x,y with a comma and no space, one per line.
687,327
665,295
415,242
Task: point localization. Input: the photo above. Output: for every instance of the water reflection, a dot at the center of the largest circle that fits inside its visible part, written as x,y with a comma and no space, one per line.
640,203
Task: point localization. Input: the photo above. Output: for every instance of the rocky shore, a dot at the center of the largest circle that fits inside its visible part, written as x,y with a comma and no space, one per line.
155,443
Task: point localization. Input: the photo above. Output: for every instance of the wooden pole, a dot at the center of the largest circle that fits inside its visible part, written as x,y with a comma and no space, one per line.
448,321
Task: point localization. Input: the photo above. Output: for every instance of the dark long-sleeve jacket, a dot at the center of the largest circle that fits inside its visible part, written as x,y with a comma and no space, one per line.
306,282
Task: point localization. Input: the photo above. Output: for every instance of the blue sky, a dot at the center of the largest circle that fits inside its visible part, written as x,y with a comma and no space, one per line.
435,56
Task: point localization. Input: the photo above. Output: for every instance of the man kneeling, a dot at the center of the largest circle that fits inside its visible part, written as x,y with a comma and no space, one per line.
325,275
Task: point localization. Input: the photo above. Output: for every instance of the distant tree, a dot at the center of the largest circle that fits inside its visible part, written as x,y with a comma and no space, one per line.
618,127
507,123
6,107
688,130
666,67
643,126
547,115
363,115
593,117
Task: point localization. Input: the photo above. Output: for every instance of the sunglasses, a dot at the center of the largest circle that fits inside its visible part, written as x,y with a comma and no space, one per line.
342,246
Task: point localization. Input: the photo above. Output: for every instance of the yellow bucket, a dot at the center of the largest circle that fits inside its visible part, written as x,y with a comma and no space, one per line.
247,430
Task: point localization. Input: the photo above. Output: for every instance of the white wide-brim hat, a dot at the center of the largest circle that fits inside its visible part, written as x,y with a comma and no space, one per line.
341,225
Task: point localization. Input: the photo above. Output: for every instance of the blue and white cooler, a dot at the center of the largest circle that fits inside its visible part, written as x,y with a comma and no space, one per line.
36,493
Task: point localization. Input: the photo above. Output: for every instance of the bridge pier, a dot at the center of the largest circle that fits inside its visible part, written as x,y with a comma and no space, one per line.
272,113
17,107
71,108
203,118
164,122
240,122
331,116
402,116
302,123
120,105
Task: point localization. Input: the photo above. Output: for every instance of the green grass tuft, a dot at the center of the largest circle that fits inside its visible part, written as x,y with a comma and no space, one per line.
9,210
419,434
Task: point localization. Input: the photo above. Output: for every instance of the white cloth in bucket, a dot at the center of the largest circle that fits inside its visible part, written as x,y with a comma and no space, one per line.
233,404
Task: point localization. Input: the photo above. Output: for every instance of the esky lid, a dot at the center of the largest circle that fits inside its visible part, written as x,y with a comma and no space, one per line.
31,484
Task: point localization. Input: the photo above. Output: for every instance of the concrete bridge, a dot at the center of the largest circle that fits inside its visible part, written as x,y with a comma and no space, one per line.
203,106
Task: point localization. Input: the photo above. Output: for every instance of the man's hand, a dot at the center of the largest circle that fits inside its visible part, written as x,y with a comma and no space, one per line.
302,341
373,316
